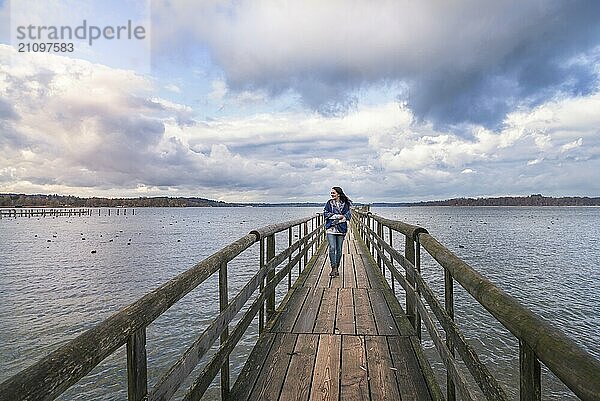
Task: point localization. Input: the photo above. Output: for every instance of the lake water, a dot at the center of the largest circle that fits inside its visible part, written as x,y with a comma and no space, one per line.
53,287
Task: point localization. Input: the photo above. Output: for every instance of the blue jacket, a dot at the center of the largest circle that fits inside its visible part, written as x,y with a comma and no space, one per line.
330,210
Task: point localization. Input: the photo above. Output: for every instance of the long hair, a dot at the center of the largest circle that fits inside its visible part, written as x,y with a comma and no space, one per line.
343,196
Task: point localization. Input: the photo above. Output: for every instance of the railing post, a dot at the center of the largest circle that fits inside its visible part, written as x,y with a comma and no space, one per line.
392,260
271,276
290,258
417,289
299,250
409,254
137,368
449,305
530,374
223,302
305,247
261,311
379,260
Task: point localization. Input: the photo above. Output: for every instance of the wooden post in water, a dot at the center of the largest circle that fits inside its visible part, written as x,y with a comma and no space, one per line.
530,374
270,276
137,369
223,303
449,305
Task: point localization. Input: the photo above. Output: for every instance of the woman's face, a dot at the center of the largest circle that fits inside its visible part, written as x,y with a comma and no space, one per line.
334,194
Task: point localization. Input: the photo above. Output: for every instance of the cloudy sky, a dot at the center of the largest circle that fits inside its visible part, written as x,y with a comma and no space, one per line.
280,100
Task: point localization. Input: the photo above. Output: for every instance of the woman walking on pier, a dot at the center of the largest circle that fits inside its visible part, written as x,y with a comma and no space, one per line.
337,214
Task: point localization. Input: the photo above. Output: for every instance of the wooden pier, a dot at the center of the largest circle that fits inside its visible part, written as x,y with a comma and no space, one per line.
57,212
341,338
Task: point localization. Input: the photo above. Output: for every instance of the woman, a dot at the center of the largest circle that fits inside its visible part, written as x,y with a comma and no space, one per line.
337,214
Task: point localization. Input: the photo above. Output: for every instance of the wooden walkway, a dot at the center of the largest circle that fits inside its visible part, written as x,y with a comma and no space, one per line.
343,338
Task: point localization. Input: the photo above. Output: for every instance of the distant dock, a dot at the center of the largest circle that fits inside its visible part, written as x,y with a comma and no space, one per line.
56,212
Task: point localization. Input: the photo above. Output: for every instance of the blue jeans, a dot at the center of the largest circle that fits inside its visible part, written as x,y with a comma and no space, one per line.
335,248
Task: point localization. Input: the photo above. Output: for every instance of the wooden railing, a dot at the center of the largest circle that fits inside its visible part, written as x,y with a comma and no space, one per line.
539,341
64,367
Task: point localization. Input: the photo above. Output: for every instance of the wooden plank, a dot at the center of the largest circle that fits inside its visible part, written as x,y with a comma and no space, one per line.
296,385
269,383
315,271
383,316
354,383
362,280
245,382
287,317
409,377
308,314
370,267
365,322
349,279
382,379
344,319
326,373
325,320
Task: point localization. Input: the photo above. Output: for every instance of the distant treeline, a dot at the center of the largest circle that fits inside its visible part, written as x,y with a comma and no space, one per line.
532,200
23,200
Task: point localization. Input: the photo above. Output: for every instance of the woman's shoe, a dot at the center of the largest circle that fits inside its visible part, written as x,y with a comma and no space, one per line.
334,272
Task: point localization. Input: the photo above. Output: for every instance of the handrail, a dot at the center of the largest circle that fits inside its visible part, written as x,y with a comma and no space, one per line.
550,344
62,368
539,340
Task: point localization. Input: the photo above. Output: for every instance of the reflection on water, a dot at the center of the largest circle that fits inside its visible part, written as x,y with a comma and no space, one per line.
53,287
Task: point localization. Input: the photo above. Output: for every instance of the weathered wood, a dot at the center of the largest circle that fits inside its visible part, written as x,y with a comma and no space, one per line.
451,367
382,381
348,277
269,383
326,373
325,320
362,280
315,272
529,374
296,385
365,323
582,371
354,383
383,316
344,319
308,314
289,313
223,303
449,307
212,367
245,382
137,368
170,382
479,371
270,276
412,387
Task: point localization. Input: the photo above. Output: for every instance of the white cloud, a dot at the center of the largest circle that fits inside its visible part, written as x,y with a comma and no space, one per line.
571,145
69,126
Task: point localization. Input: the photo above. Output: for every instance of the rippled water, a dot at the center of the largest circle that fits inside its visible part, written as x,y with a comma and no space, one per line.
53,287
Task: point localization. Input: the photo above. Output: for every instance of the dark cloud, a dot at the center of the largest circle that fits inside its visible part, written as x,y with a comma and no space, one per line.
461,62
